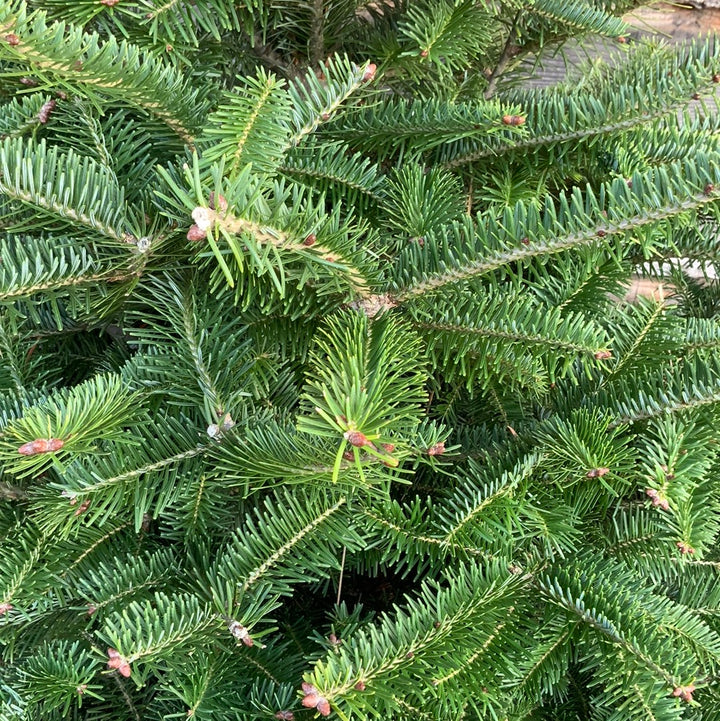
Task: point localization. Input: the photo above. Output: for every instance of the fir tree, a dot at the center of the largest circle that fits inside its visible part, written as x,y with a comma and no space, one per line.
318,391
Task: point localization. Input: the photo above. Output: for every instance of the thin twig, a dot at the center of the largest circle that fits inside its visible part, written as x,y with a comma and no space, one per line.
342,570
317,35
509,51
272,60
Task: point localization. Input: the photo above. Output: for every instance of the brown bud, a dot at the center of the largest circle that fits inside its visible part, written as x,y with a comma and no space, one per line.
240,633
513,120
109,3
360,686
82,507
696,96
12,39
437,450
44,113
41,445
357,439
709,189
91,609
196,233
622,39
5,607
285,716
597,472
628,182
685,548
310,240
525,241
601,233
410,654
369,73
325,116
388,447
603,355
221,204
437,624
716,78
29,82
424,53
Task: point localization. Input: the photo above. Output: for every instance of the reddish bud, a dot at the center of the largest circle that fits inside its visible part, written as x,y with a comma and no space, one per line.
388,447
12,39
41,445
685,548
310,240
349,456
313,699
603,355
696,96
437,624
716,78
91,609
80,690
357,439
622,39
437,450
360,686
196,233
601,233
525,240
5,607
118,663
221,204
28,82
684,692
513,120
597,472
82,507
410,654
424,53
709,189
109,3
651,492
369,73
285,716
334,640
325,116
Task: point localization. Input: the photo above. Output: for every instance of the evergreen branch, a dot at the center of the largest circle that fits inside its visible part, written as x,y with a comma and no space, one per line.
67,186
69,57
579,16
291,540
579,220
273,560
634,95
